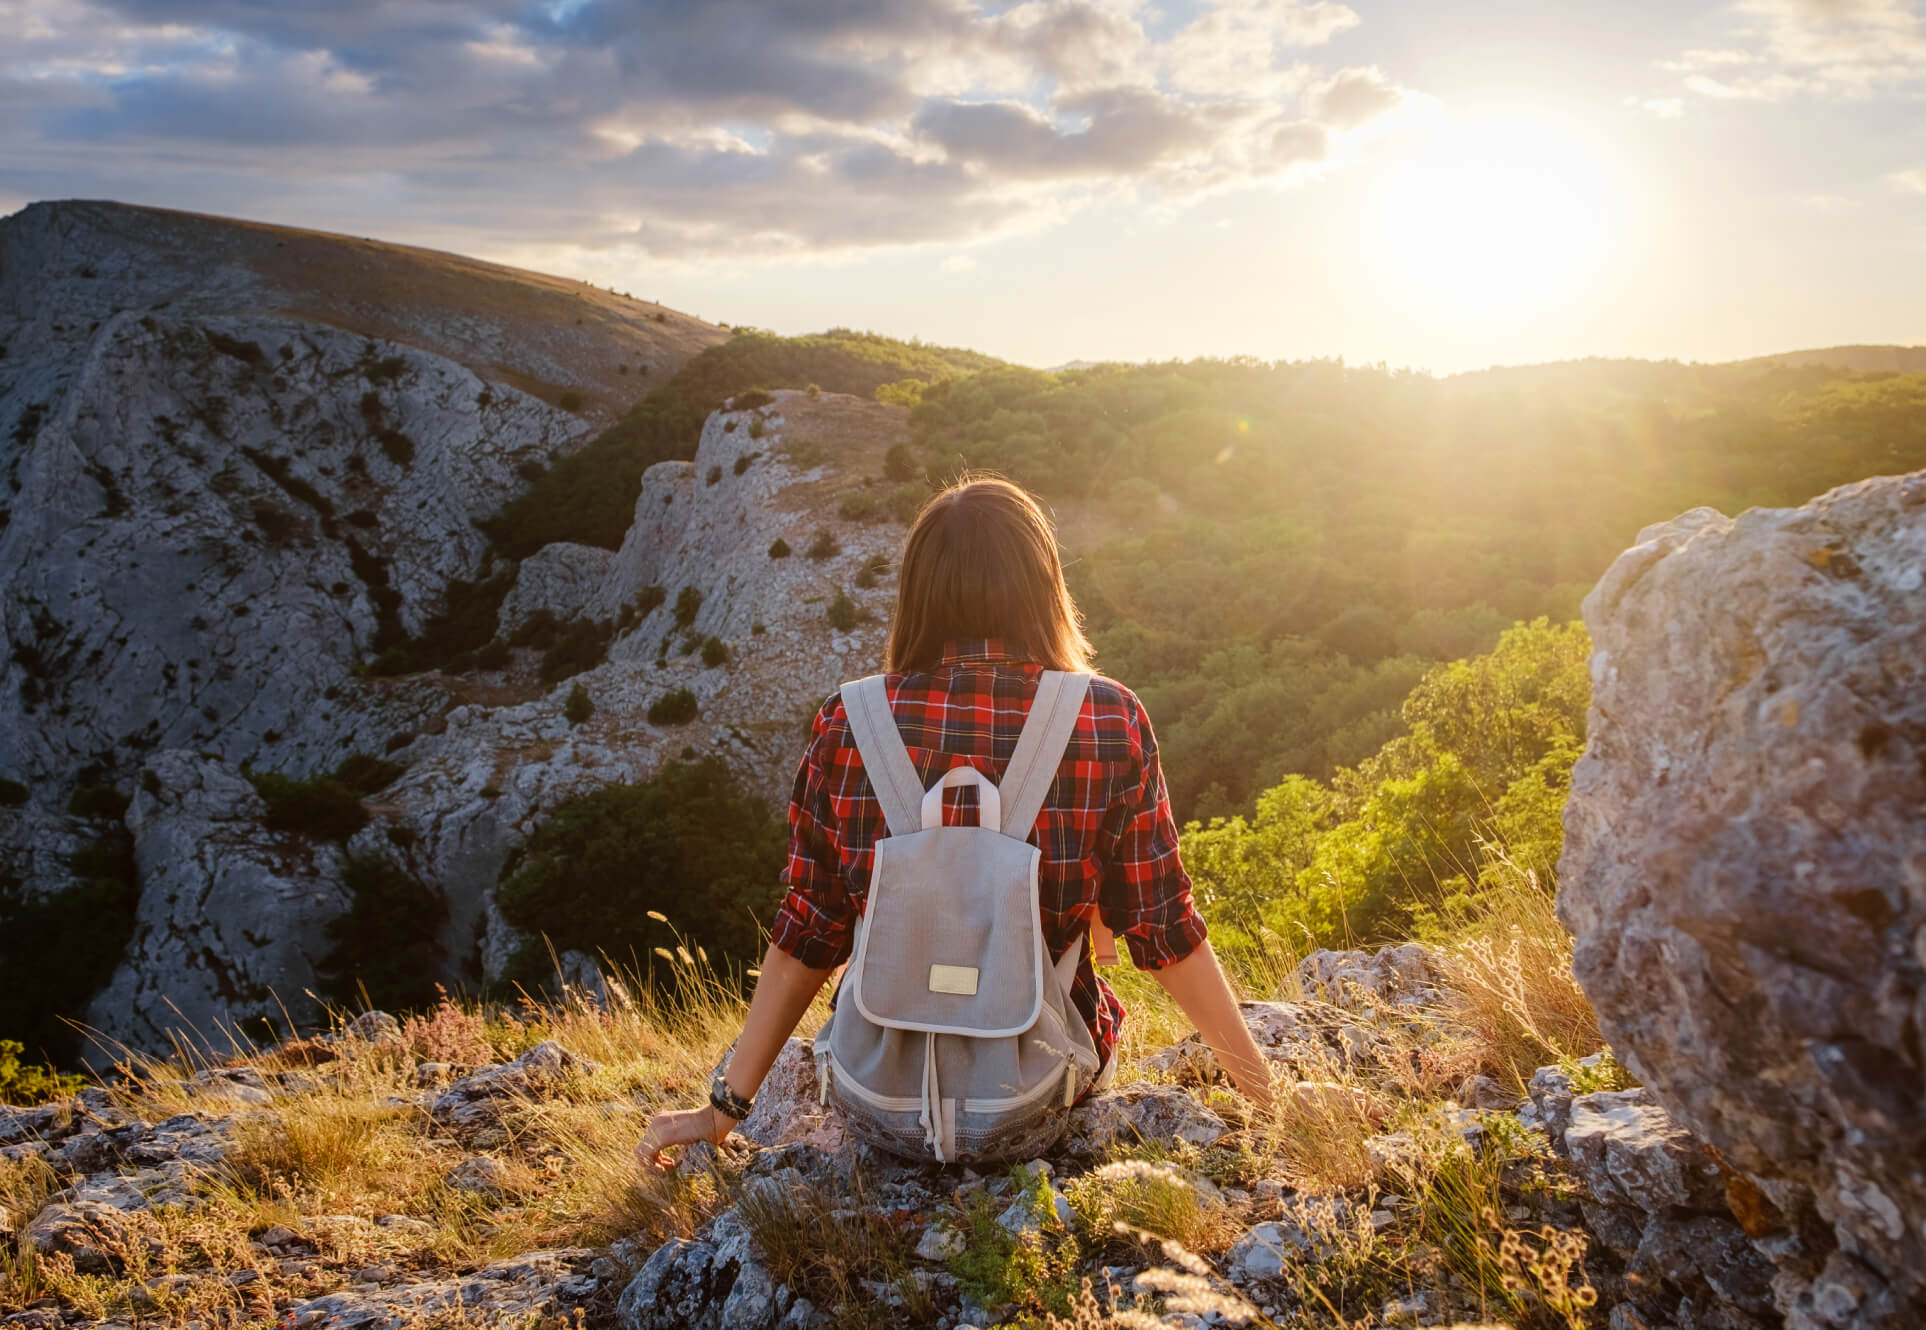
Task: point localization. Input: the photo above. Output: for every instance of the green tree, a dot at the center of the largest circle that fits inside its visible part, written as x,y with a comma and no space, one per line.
384,944
689,845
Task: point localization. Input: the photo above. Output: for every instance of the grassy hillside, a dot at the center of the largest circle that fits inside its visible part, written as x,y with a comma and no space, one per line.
589,497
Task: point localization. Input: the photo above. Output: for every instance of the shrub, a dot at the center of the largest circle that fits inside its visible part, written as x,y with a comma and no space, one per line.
281,527
857,504
753,399
392,661
12,793
56,950
690,841
645,603
677,708
687,602
580,644
875,567
824,545
492,655
715,474
398,446
812,392
742,462
756,629
842,612
779,548
365,774
530,470
98,801
570,401
248,353
388,369
27,1084
537,630
899,464
714,652
578,708
757,427
322,807
384,944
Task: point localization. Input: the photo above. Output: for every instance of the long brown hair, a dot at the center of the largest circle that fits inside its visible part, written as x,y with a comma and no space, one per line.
982,561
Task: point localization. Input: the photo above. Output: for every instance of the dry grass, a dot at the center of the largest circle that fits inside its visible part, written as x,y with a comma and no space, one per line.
349,1142
1142,1200
825,1248
1510,975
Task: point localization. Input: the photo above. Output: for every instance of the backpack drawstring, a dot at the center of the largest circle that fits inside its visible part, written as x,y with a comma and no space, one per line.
939,1133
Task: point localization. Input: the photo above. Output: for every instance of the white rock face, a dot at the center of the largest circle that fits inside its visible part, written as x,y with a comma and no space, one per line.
219,506
488,778
232,919
201,546
560,579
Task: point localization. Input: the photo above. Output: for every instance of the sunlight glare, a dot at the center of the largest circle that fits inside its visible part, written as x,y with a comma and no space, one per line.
1491,222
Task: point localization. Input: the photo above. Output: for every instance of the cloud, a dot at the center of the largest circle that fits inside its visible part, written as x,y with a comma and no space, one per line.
1837,50
1354,97
1913,182
788,126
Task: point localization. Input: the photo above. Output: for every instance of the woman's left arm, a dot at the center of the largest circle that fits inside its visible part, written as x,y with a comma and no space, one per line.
783,993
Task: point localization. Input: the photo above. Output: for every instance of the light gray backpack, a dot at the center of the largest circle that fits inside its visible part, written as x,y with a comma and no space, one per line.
954,1036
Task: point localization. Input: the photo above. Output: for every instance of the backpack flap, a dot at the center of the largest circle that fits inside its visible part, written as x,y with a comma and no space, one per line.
951,940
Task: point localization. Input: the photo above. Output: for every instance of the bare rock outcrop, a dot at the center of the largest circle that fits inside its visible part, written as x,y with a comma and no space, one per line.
1745,871
232,921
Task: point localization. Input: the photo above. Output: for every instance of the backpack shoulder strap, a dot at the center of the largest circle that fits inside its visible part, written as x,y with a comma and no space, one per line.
1046,732
891,773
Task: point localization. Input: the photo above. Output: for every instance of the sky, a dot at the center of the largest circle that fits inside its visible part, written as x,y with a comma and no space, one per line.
1427,183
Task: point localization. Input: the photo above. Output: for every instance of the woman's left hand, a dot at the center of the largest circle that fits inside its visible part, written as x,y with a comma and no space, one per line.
682,1127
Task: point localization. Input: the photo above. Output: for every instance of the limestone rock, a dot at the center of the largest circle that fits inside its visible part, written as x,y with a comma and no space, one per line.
481,1175
46,1122
1359,981
232,920
1141,1113
712,1284
787,1109
1629,1152
1303,1236
86,1230
520,1291
1745,864
561,580
474,1108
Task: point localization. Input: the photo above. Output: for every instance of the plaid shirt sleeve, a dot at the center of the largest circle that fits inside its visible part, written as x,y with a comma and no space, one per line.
1145,894
816,922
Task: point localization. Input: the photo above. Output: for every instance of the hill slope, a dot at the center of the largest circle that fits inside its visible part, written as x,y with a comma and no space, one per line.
546,335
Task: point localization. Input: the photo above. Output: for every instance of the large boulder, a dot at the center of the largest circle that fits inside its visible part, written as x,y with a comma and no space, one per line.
1745,870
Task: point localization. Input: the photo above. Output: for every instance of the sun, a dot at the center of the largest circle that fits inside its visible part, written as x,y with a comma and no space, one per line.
1488,223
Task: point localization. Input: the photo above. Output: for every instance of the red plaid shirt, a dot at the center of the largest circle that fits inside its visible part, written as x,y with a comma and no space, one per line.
1108,840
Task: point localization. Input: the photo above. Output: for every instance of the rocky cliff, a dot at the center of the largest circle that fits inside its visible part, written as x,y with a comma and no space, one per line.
1745,870
245,462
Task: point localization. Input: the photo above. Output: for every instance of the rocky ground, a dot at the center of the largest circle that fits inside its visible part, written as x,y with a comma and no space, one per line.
1401,1185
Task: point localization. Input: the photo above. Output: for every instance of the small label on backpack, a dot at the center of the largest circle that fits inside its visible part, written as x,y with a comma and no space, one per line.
958,979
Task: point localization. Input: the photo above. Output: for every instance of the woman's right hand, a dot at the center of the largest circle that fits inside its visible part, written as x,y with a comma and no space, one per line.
681,1127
